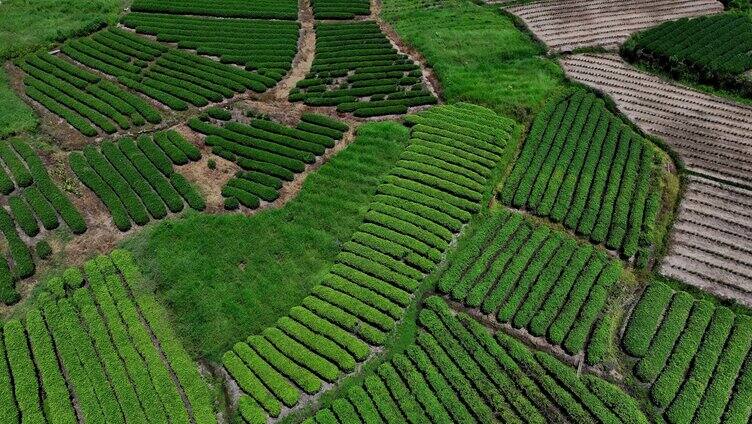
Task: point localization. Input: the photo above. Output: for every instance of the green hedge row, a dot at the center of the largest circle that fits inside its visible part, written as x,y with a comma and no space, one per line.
581,166
255,44
405,232
707,49
532,277
135,179
693,354
225,8
372,67
456,371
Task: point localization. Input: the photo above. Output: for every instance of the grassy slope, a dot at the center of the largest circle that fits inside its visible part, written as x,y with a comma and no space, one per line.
29,25
15,115
227,276
480,56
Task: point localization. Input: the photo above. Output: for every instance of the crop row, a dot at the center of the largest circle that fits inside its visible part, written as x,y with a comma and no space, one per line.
136,180
692,353
340,9
418,209
264,46
95,346
358,70
456,371
83,96
711,49
261,9
37,199
532,277
269,151
170,76
585,168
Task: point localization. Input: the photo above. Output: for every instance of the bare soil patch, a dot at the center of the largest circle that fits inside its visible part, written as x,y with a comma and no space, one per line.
564,25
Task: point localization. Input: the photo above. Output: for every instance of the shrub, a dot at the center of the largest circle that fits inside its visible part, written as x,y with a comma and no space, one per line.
44,250
231,203
219,113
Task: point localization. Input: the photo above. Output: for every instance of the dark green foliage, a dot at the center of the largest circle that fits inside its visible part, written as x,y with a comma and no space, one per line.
24,216
368,288
219,113
126,179
695,358
8,295
582,166
533,278
709,49
44,250
360,52
22,260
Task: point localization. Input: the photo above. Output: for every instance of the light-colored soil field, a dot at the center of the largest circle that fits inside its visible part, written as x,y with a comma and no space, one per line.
709,133
565,25
711,243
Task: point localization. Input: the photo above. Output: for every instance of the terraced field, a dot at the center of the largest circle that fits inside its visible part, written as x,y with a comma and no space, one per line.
710,136
390,211
100,352
709,133
710,243
571,24
692,354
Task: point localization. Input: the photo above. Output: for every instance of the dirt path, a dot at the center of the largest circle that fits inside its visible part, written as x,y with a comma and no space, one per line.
303,60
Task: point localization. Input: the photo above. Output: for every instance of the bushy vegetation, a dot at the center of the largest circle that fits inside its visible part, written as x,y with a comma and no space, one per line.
264,46
233,275
533,277
457,371
340,9
262,9
269,152
708,49
693,354
105,345
582,166
83,98
418,210
372,68
172,77
136,181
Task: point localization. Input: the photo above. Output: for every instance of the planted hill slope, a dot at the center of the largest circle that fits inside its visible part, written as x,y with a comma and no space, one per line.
265,46
136,181
104,344
582,166
223,279
85,100
570,24
268,152
340,9
174,78
420,206
260,9
710,49
33,205
710,136
457,371
535,278
694,355
357,69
